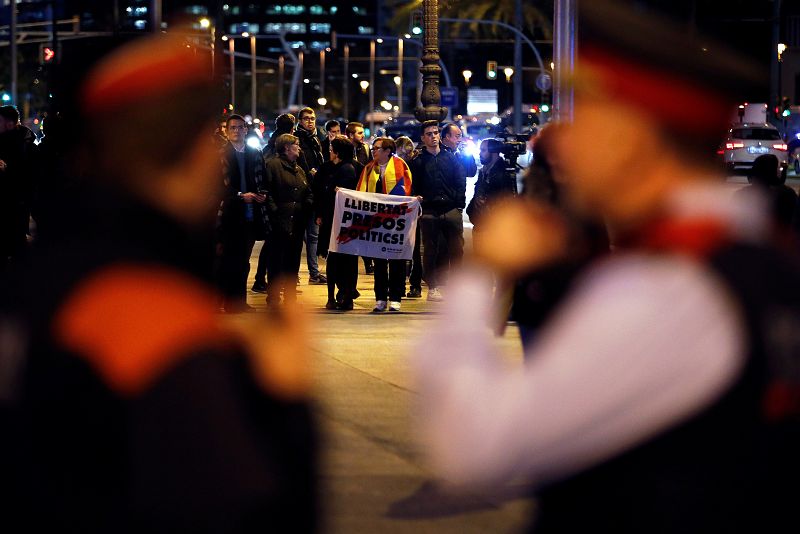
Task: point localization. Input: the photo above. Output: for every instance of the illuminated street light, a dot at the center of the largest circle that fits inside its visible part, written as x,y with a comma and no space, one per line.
355,75
322,101
224,37
205,23
781,50
364,86
385,104
509,72
397,80
407,36
245,34
467,74
306,80
379,40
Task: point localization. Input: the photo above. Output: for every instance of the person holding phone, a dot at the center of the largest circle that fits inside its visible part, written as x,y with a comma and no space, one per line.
243,219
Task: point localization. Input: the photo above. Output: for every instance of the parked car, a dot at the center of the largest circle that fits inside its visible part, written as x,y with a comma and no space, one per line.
747,141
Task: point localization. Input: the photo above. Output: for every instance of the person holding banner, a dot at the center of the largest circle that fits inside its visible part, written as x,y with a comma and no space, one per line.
342,269
390,175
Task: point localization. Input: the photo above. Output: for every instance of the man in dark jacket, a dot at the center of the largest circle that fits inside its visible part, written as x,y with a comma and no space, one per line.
284,123
127,403
355,132
332,129
289,202
243,218
493,180
310,160
439,180
16,183
451,142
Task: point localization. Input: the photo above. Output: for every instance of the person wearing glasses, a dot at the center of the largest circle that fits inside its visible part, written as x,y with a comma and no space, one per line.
439,179
387,174
310,160
243,218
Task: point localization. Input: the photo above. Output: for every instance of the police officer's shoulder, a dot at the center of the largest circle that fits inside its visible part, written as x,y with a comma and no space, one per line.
166,315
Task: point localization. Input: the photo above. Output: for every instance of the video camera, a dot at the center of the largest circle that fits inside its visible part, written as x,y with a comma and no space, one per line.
514,145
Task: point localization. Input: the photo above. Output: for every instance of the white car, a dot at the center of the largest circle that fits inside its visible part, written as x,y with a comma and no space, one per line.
747,141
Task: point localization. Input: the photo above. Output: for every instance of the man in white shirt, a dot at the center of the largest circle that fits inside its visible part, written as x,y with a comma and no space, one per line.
663,396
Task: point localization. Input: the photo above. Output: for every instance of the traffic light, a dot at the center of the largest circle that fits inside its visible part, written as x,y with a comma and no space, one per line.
785,106
491,70
47,54
416,23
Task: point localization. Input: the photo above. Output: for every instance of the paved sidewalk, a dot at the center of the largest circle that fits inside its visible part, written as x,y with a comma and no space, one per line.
373,480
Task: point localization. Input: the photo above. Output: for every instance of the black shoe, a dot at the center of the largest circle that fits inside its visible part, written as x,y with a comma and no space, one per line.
317,280
331,305
259,287
414,293
345,305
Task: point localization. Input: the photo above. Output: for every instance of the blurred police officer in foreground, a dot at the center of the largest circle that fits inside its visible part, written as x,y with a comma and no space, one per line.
126,404
663,395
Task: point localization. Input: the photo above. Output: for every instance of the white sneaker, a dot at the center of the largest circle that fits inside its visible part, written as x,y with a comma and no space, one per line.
434,295
394,305
380,305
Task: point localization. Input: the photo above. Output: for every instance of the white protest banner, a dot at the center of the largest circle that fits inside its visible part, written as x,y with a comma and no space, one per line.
374,225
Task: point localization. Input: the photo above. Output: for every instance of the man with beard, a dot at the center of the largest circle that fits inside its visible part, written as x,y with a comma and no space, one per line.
493,180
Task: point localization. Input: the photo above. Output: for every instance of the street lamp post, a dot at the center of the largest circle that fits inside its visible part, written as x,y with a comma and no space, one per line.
322,73
300,89
347,82
281,70
431,98
371,85
233,72
253,86
400,76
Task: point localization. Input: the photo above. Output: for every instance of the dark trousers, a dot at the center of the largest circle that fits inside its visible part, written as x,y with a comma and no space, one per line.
390,279
368,265
342,272
415,272
261,270
283,264
234,264
442,243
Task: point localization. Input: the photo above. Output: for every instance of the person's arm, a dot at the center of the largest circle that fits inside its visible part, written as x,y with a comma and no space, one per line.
271,185
642,344
459,180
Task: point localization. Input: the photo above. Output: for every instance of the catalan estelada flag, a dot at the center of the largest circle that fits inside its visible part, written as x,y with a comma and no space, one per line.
396,178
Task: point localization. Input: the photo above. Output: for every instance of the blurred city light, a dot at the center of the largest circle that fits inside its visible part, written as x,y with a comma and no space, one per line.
397,80
322,101
205,23
364,86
